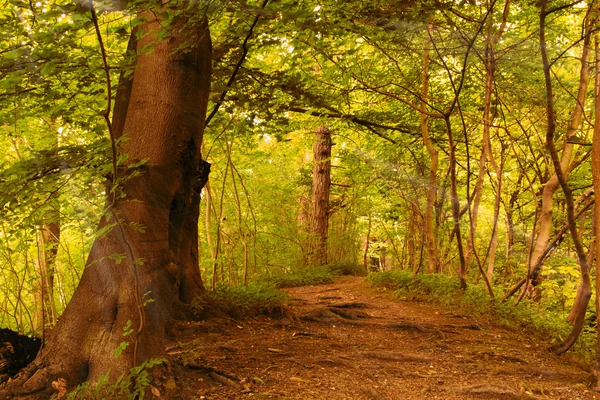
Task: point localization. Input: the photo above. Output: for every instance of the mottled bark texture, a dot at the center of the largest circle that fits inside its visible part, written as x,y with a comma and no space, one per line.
145,268
320,195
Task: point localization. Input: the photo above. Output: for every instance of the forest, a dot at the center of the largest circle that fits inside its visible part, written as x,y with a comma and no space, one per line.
198,196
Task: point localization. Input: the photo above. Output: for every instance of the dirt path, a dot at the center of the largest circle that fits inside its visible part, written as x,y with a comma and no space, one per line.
353,342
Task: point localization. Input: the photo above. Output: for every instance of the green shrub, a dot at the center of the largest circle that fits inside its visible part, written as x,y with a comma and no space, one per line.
132,386
245,301
430,284
396,279
303,277
346,268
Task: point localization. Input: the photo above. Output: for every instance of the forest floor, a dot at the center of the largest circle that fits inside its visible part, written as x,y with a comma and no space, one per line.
350,341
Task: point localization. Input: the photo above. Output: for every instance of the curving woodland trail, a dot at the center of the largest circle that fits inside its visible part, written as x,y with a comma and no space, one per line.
348,341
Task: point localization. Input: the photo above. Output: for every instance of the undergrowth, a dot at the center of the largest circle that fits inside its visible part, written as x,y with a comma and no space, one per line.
346,268
302,277
526,317
241,302
133,386
316,275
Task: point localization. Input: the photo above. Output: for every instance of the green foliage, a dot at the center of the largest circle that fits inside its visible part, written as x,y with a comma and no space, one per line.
559,284
346,268
303,277
347,65
241,302
130,387
437,285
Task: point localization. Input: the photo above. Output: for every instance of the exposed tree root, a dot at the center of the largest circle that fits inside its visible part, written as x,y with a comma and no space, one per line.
388,356
351,305
328,314
218,375
489,390
33,382
409,327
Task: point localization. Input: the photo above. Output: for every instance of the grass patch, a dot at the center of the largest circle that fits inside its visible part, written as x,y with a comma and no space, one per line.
526,317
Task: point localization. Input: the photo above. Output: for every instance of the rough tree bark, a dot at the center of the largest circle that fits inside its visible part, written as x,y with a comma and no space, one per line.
151,250
320,195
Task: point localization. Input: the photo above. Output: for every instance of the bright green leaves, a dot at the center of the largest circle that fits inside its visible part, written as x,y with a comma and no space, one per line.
127,330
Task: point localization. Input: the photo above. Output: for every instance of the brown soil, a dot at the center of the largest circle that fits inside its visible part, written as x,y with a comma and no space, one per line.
353,342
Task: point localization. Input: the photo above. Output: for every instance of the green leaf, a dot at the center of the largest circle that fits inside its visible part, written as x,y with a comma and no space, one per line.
48,69
127,329
119,350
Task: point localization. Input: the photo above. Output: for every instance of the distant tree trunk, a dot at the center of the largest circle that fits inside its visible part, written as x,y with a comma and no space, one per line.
219,245
366,248
303,220
494,240
238,208
48,241
510,225
143,271
303,213
462,266
208,224
476,201
430,231
486,145
412,234
320,195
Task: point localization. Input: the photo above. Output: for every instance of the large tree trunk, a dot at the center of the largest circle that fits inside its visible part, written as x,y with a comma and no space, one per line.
320,195
144,269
